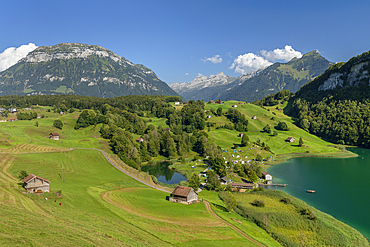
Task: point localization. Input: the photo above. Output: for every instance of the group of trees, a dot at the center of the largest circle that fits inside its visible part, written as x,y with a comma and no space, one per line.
339,121
26,115
238,119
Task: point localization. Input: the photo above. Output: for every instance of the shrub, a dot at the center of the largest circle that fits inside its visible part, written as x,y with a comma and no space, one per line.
258,203
287,200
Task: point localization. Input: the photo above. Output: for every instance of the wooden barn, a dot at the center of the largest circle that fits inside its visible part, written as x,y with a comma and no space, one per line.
36,184
54,136
185,195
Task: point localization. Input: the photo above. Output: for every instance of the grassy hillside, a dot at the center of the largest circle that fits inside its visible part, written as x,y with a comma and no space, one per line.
99,205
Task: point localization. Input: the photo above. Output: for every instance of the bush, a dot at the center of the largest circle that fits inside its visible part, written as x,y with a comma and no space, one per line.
287,200
258,203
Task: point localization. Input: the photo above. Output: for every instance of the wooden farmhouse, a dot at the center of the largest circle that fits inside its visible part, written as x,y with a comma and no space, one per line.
36,184
290,139
54,136
185,195
267,177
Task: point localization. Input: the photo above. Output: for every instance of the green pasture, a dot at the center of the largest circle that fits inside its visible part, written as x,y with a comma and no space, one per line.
296,223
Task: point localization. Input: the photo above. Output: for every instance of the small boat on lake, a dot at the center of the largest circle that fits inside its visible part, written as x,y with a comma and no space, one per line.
310,191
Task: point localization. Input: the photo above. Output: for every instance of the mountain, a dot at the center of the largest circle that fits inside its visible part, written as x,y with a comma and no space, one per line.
80,69
342,81
279,76
336,104
203,87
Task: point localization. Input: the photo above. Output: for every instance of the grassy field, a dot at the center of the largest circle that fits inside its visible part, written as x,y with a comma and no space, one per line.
101,206
296,223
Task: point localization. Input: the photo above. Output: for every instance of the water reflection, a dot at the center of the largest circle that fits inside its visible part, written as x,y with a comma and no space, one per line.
163,173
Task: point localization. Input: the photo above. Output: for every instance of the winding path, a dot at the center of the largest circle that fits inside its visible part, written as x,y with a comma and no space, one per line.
208,206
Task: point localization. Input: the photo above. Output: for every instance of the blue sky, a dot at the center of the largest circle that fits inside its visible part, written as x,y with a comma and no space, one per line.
175,38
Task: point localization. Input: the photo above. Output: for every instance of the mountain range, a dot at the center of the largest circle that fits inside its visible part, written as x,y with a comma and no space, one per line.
73,68
256,85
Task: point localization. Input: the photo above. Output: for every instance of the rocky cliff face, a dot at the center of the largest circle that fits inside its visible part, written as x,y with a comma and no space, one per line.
80,69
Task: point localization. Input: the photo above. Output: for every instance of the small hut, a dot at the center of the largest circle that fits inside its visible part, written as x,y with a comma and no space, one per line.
185,195
36,184
54,136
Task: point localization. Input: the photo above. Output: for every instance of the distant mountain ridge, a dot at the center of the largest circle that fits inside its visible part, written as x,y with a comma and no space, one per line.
277,77
81,69
202,87
258,84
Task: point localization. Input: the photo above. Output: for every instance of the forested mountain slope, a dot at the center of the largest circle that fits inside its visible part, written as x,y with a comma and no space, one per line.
336,104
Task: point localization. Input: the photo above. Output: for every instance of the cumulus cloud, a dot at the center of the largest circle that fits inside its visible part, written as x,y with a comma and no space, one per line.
12,55
214,59
249,62
186,73
285,54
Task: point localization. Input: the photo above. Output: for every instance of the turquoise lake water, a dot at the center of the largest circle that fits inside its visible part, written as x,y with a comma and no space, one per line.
342,186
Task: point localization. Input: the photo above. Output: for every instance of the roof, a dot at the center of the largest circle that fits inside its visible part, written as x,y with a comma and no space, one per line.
265,173
54,134
242,184
182,191
290,138
31,176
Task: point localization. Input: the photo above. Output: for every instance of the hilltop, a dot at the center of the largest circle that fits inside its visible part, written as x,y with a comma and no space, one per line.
79,69
279,76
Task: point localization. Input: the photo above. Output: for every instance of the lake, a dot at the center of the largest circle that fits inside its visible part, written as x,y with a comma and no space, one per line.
341,185
163,173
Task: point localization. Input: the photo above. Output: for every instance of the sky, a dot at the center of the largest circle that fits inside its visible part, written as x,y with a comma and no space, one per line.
180,39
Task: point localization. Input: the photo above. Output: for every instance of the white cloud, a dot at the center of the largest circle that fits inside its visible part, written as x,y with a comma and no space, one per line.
249,62
214,59
12,55
186,73
285,54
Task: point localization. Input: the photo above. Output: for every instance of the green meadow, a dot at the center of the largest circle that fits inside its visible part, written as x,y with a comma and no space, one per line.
98,205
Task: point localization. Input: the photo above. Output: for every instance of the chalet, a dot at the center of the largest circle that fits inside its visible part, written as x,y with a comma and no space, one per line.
12,120
266,176
209,116
2,109
254,117
33,183
243,186
38,116
61,113
290,139
139,140
177,102
224,180
235,106
12,110
54,136
241,134
212,101
185,195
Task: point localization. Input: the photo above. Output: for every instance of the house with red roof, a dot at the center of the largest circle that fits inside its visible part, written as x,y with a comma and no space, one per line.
36,184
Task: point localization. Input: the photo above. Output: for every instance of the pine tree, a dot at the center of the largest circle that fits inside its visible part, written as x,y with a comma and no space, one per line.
300,142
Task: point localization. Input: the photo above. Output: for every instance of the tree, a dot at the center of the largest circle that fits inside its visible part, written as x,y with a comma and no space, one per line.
219,111
275,133
58,124
267,129
300,142
212,180
22,174
282,126
245,140
228,198
253,176
37,124
218,164
194,182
